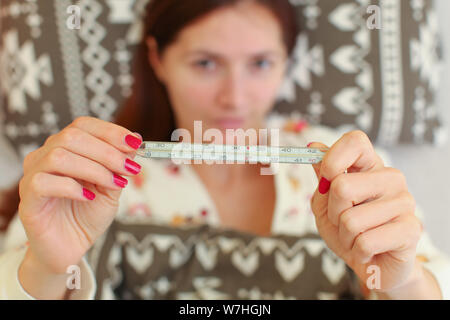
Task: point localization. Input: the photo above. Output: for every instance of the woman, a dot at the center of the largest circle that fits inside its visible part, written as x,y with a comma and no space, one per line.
221,62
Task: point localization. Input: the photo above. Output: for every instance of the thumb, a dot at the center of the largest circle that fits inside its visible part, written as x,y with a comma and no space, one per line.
319,201
316,166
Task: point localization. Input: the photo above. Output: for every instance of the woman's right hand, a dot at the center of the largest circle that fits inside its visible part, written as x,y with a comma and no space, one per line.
60,215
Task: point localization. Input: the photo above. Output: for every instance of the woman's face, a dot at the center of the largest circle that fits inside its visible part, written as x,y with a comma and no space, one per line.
225,69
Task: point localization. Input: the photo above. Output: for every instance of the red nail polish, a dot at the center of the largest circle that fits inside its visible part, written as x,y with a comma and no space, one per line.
120,181
88,194
140,137
132,166
324,186
133,141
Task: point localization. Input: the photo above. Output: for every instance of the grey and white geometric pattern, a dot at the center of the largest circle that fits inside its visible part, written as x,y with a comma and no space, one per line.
155,261
22,73
391,72
347,76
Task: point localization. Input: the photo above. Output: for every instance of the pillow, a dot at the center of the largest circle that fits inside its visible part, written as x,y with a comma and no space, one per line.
52,74
140,260
382,81
343,74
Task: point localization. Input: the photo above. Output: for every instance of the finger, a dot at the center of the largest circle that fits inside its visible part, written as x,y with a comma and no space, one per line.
63,162
352,151
394,237
364,217
44,185
84,144
118,136
348,190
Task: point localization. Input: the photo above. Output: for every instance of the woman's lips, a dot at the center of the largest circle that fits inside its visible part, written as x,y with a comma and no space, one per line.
230,123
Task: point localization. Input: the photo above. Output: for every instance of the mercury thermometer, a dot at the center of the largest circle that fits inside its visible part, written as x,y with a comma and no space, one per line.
230,153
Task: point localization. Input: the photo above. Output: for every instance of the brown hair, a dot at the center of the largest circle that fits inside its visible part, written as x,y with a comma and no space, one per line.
148,110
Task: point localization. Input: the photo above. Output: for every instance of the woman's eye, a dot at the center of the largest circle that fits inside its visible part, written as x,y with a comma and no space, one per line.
262,64
205,64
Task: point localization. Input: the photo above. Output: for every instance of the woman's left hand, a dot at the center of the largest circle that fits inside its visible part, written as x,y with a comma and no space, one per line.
366,216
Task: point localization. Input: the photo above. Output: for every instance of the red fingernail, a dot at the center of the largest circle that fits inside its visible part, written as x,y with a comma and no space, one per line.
132,166
324,186
133,141
120,181
88,194
309,144
142,139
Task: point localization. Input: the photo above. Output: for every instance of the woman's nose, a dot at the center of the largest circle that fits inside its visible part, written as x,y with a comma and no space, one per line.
232,94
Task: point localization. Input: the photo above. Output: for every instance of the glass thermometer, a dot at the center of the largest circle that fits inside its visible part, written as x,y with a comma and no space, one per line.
230,153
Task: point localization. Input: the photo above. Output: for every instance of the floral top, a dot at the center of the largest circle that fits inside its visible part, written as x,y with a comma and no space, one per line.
173,197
